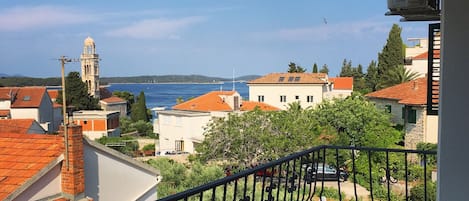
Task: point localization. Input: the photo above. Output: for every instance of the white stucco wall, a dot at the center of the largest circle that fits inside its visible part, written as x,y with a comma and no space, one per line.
25,113
173,127
419,66
396,108
47,185
109,177
5,104
272,93
431,129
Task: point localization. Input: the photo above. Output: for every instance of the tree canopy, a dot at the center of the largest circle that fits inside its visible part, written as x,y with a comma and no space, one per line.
324,69
293,68
391,57
315,68
77,94
139,109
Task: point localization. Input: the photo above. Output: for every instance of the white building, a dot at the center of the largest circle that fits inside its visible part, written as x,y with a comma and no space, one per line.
416,56
309,89
182,128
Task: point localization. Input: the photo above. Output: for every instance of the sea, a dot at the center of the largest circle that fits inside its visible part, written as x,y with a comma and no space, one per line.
158,95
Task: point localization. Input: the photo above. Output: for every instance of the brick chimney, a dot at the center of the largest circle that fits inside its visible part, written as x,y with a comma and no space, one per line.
73,173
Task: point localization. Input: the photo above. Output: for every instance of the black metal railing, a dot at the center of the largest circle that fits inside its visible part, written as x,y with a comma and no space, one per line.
331,172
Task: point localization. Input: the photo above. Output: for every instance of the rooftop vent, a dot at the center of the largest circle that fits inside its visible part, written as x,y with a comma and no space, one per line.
26,98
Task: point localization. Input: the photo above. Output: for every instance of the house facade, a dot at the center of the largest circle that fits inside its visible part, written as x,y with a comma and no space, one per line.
309,89
87,171
114,103
97,123
406,104
182,128
29,103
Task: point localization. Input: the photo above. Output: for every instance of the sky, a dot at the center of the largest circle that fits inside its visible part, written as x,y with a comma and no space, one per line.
184,37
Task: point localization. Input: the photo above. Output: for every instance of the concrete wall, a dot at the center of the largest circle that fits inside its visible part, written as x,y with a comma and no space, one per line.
25,113
431,130
111,178
396,109
419,66
272,93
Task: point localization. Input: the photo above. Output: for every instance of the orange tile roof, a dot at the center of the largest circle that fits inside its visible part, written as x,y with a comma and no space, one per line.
113,99
53,94
23,156
250,105
20,126
424,56
7,92
208,102
4,113
342,83
28,97
410,93
291,78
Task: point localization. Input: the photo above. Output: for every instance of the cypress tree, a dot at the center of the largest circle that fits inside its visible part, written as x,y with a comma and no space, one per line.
139,109
315,68
390,57
324,69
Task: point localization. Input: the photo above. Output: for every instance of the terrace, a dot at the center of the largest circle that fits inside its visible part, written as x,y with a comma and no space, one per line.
453,138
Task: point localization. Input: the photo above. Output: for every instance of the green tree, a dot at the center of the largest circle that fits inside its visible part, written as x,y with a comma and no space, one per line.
399,75
324,69
293,68
77,94
139,109
357,122
372,77
346,70
315,68
126,145
391,57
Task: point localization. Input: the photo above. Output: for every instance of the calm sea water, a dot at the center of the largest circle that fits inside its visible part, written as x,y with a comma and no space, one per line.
165,95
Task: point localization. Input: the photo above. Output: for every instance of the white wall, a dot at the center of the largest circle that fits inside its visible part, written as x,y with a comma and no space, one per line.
419,66
272,93
396,109
454,104
5,104
48,185
431,129
25,113
180,127
111,178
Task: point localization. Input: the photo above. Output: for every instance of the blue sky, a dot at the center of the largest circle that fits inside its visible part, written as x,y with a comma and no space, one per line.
194,37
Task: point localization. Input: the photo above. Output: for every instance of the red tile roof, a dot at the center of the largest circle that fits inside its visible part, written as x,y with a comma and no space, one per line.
424,56
342,83
4,113
291,78
24,156
29,97
7,92
250,105
211,101
19,126
53,94
409,93
113,99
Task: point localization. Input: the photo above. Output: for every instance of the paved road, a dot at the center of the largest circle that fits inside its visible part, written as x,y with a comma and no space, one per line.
348,188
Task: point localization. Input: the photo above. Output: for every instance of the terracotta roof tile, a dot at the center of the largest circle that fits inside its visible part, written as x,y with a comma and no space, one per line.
53,94
28,97
250,105
23,156
4,113
342,83
20,126
291,78
7,92
211,101
113,99
424,56
410,93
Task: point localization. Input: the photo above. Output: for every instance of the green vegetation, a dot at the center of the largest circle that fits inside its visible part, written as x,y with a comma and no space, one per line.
324,69
77,94
293,68
139,110
315,68
127,145
390,58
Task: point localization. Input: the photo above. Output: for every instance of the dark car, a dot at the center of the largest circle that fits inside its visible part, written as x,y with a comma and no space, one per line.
325,172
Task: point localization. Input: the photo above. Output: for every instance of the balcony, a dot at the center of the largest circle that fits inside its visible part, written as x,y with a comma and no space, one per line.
328,173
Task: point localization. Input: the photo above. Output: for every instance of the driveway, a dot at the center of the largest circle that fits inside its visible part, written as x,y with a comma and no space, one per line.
347,188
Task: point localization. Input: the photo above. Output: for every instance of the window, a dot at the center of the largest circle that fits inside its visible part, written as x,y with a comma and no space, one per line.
283,99
403,112
260,98
290,79
388,108
280,79
297,97
412,116
309,99
179,145
297,79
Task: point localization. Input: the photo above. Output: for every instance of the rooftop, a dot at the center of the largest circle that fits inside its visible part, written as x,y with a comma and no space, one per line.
410,93
291,78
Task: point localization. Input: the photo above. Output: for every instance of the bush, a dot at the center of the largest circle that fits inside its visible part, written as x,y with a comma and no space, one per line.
417,192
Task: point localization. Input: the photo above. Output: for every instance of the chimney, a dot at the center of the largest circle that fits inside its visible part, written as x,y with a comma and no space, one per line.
73,168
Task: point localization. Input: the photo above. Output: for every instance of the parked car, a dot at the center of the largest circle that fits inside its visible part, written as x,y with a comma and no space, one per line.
326,172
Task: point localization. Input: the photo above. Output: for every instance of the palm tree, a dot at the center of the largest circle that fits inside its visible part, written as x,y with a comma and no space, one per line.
398,75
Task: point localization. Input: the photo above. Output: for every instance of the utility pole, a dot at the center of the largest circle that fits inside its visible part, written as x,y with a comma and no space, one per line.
63,61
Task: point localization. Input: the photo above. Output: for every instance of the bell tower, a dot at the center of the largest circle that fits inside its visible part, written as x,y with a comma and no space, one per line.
90,67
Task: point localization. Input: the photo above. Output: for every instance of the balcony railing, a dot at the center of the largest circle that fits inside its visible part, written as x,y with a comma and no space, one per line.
320,173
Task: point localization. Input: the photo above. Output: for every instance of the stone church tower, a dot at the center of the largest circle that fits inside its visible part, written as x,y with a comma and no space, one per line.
90,67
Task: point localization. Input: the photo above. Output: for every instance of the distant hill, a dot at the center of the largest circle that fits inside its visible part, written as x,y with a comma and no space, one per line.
29,81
